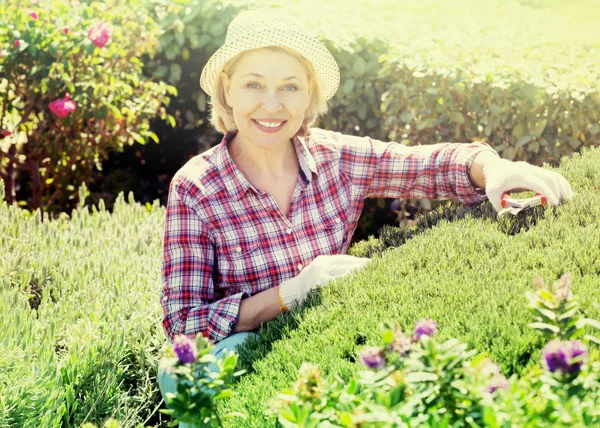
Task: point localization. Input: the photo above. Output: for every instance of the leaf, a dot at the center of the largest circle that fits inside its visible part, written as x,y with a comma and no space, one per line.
175,73
523,140
161,71
224,394
153,136
406,116
352,386
421,377
171,120
348,86
388,337
547,313
457,117
592,339
360,66
546,328
495,109
518,131
427,123
539,127
592,323
180,38
287,414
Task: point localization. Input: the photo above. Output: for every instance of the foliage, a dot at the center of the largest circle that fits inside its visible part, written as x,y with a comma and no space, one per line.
80,317
88,51
202,381
429,382
427,72
467,272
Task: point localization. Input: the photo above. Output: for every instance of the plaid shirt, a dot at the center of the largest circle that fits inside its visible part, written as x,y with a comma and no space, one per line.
225,240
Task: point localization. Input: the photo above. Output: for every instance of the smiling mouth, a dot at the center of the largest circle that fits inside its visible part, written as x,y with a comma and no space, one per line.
268,128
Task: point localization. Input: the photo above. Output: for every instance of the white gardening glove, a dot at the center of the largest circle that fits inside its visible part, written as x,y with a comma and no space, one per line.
502,175
322,269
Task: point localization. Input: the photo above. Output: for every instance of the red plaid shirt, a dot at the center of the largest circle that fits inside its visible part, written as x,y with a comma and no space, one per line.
225,240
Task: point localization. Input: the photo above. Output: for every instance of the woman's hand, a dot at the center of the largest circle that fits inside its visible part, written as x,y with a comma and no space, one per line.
502,175
322,269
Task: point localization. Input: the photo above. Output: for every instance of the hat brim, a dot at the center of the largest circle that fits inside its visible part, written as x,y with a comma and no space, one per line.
328,73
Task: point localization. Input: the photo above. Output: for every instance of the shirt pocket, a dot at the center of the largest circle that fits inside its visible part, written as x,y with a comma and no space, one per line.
330,233
242,265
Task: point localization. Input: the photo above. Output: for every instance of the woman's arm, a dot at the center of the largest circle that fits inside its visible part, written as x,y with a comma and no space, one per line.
476,170
257,309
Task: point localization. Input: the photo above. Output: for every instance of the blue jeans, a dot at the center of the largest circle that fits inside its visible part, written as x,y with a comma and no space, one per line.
168,382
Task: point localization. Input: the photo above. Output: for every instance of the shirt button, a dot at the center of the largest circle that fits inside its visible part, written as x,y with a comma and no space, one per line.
238,249
337,220
300,266
165,299
289,231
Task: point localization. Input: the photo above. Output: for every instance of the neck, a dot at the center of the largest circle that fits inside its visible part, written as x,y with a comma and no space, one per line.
270,164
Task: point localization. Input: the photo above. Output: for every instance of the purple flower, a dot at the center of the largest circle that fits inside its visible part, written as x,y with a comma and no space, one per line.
568,357
498,381
424,327
400,344
372,358
185,348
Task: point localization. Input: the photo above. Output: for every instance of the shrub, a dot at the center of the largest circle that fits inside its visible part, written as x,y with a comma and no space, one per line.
425,381
467,271
72,90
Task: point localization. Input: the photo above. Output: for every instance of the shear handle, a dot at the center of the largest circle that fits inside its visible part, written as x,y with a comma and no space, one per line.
507,200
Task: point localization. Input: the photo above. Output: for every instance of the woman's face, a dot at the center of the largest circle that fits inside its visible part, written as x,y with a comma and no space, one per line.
267,86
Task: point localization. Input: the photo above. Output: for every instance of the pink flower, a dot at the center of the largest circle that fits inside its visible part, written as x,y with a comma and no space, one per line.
34,15
6,133
100,34
66,30
17,43
62,107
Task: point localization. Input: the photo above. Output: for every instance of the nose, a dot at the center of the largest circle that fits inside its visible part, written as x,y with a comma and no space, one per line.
271,102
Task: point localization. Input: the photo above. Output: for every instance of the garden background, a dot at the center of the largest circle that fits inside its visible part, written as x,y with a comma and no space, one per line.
520,75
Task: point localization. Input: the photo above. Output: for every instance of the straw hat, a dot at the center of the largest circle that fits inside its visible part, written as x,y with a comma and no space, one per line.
259,28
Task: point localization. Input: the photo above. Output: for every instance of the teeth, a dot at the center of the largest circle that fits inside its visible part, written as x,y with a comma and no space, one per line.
270,124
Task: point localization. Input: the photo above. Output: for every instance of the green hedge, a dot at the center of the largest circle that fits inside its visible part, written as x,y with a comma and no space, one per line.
525,80
469,272
79,315
81,319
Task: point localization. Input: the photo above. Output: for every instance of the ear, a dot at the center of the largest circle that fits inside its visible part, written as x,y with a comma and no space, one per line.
226,86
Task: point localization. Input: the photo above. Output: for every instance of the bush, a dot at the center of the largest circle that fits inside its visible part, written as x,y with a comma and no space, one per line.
80,315
469,273
417,380
72,90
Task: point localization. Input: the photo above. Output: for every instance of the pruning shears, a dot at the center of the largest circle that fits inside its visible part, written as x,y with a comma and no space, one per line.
515,206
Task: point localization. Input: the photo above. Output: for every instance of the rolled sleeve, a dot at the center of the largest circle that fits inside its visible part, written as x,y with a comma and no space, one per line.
393,170
187,296
464,156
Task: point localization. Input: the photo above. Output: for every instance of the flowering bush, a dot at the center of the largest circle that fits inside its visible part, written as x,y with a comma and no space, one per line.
71,90
198,387
423,381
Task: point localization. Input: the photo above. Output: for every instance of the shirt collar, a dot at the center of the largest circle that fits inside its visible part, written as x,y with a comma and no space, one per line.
235,182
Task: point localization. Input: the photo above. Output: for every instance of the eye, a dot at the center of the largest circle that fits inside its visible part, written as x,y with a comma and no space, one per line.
294,88
249,85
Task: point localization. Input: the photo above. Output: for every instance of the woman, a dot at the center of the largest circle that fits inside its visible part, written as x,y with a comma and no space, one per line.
256,222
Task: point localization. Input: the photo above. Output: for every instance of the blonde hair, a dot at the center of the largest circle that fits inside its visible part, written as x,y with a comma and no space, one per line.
221,115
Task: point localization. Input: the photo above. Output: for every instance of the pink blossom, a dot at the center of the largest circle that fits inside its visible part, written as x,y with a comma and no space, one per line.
6,133
100,34
66,30
17,43
62,107
34,15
